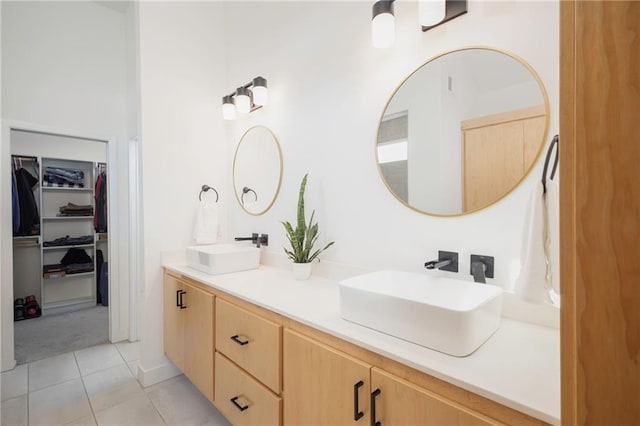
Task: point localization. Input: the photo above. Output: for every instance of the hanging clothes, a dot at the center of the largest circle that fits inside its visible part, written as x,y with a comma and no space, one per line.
29,216
100,198
15,204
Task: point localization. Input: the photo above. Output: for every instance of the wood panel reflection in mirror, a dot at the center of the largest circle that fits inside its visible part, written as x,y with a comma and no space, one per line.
462,131
257,170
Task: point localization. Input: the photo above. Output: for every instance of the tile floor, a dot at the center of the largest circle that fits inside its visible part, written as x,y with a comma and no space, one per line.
97,386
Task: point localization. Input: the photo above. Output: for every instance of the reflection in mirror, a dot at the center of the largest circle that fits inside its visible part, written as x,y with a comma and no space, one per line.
257,170
462,131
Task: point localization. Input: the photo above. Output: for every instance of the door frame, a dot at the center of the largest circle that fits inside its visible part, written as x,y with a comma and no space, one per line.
117,310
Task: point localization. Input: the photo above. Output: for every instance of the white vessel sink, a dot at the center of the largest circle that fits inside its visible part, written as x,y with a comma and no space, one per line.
223,258
451,316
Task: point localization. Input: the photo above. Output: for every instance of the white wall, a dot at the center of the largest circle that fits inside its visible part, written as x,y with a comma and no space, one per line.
64,69
183,143
328,90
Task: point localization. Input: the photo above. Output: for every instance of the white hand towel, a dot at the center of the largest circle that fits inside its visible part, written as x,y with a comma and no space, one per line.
552,243
205,230
532,284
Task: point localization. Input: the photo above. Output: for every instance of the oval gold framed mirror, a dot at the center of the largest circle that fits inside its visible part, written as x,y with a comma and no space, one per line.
257,170
462,131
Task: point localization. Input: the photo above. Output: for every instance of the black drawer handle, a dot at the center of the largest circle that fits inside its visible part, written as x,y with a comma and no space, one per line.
238,341
182,293
178,298
238,406
373,408
357,414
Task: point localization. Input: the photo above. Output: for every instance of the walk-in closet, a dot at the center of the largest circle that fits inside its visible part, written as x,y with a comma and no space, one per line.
60,243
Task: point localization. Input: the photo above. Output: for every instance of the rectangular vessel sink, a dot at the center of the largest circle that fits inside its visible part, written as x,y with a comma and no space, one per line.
223,258
448,315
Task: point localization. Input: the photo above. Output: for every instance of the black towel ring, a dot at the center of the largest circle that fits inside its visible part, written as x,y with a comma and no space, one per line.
205,188
553,143
245,190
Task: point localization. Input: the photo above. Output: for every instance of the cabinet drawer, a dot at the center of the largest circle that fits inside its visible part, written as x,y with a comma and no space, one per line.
242,399
251,342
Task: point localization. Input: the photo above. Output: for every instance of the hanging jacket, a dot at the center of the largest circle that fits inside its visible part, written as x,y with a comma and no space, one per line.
100,212
15,204
29,216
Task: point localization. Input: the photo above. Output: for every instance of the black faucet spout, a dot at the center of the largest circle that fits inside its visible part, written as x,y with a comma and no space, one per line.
447,261
258,240
437,264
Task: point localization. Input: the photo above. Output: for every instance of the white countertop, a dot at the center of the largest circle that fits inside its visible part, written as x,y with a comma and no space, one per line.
519,366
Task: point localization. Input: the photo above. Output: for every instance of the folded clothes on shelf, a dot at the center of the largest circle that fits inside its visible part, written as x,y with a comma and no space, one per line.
75,261
59,176
78,268
69,241
53,271
58,267
76,210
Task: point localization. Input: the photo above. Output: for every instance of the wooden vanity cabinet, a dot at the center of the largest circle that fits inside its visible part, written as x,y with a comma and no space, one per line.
323,386
173,321
398,402
242,399
188,331
248,378
288,373
251,342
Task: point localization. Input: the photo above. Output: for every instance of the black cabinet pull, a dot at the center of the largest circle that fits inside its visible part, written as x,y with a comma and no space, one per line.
236,339
178,298
182,293
373,408
357,414
234,401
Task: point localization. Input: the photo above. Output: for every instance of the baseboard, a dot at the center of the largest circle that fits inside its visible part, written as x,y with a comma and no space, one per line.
150,376
8,365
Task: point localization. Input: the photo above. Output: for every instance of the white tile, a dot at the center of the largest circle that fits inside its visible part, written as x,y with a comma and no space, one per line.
59,404
130,351
137,411
15,382
14,412
111,387
216,420
98,358
133,366
51,371
180,402
84,421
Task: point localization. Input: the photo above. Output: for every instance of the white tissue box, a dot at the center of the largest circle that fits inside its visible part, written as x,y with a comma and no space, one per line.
223,258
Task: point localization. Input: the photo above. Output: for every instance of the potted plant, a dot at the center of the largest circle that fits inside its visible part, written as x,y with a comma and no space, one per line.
302,239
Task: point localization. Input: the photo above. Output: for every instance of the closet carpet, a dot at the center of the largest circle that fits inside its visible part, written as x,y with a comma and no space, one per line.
40,338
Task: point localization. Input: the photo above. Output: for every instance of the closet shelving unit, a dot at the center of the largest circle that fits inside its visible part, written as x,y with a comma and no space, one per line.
61,292
71,291
77,290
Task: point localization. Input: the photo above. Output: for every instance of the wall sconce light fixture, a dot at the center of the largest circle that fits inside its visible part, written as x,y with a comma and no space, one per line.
383,24
431,13
245,99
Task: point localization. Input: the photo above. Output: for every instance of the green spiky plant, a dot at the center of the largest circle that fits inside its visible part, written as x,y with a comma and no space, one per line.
304,236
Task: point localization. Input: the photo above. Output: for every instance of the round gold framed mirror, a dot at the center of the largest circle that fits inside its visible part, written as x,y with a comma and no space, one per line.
462,131
257,170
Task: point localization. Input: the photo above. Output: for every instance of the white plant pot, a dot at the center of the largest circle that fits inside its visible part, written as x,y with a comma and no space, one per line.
301,271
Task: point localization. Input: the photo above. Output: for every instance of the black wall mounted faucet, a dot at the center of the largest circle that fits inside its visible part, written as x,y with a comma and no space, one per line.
258,240
447,261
